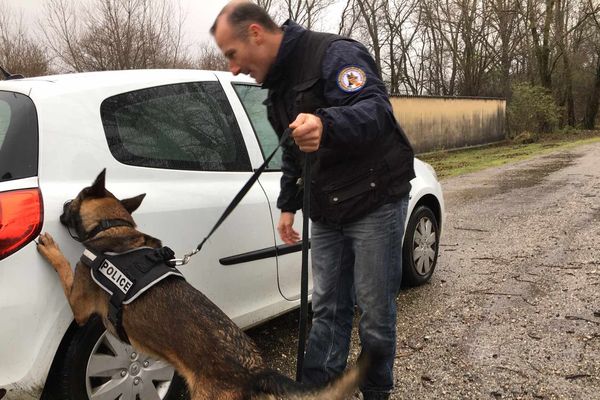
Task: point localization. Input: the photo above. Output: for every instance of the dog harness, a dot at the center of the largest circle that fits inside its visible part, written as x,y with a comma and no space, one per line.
126,276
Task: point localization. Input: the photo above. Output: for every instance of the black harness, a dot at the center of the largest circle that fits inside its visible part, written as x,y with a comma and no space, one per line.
126,276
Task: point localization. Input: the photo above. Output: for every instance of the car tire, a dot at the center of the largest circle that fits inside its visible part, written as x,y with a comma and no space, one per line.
420,247
95,362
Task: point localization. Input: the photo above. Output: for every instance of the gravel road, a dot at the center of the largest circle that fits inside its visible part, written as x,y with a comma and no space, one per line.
513,309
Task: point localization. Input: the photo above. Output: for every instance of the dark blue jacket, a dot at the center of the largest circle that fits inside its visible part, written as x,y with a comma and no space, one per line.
364,158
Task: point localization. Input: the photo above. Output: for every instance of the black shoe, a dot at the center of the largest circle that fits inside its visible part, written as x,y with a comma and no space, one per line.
375,396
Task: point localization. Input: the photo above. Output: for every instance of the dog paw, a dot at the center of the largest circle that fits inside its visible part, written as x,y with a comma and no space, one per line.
48,248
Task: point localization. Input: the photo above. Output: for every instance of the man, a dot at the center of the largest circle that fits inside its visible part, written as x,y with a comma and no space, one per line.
328,91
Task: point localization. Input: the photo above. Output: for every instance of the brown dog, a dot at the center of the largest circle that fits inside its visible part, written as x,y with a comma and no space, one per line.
172,320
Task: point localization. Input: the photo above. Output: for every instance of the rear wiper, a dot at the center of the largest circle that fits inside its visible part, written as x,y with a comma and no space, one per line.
8,75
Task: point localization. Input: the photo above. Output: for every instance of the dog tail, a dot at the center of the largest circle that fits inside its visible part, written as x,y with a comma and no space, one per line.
341,388
345,385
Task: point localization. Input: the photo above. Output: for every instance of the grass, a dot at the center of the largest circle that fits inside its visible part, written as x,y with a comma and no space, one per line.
457,162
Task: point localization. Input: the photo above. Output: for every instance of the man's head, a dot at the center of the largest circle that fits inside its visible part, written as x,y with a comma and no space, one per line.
248,38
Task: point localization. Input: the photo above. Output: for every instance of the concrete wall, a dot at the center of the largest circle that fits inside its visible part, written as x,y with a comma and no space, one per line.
435,123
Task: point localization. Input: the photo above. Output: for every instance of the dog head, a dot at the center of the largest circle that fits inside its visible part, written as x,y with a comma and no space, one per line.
95,205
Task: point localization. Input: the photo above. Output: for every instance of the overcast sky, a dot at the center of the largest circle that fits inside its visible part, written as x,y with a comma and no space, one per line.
200,15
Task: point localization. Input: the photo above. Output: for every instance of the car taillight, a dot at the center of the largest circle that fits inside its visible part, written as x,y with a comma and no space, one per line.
21,216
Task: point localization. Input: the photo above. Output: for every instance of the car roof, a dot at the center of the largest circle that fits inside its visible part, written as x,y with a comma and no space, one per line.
56,85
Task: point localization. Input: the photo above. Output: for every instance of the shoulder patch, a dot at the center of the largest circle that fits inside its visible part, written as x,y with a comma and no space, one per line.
351,79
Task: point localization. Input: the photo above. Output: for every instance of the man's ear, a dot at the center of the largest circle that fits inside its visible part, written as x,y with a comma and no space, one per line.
98,187
133,203
256,33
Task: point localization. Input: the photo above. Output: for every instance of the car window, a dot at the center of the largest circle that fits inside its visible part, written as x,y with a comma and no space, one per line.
187,126
4,119
253,97
18,137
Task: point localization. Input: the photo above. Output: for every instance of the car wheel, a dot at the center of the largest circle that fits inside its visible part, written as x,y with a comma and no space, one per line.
98,366
420,247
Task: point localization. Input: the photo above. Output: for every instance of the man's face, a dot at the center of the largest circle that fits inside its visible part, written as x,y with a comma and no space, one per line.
246,55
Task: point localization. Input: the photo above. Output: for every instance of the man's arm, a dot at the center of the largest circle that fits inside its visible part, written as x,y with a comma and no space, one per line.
361,112
360,108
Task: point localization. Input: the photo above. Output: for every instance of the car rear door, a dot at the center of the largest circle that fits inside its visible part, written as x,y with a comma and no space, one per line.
188,134
179,143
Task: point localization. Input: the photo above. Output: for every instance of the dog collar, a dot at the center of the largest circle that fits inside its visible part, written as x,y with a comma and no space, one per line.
81,236
106,224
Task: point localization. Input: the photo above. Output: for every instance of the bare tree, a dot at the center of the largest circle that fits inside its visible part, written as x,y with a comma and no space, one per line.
477,37
211,58
266,4
540,16
566,99
403,23
349,19
506,21
442,36
275,8
18,53
592,43
116,34
571,16
474,47
372,14
306,12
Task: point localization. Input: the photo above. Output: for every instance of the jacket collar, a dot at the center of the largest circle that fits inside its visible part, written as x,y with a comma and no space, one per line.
291,35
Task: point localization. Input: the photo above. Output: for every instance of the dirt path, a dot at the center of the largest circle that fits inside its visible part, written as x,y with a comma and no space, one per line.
513,309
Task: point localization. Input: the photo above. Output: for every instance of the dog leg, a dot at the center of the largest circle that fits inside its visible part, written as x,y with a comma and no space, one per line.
77,286
48,248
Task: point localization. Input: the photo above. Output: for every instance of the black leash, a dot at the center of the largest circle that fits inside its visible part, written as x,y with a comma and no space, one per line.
236,200
238,197
302,325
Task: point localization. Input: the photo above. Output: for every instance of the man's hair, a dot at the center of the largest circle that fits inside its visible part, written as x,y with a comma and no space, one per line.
241,14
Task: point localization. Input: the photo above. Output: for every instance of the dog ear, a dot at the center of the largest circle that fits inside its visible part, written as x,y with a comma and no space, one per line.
98,187
133,203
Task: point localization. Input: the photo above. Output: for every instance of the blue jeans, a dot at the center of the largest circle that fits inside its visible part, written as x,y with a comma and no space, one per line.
356,263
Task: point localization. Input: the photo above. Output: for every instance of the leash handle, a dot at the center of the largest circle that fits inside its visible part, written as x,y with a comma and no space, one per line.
236,200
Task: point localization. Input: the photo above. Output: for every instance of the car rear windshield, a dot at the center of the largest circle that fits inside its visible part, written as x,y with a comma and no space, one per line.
18,137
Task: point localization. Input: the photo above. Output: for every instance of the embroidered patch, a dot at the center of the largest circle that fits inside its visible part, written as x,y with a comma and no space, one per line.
351,79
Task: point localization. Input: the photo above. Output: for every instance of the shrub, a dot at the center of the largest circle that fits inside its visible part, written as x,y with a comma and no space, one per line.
532,108
526,137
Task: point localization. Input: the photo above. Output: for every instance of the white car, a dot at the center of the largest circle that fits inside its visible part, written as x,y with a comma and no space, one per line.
189,140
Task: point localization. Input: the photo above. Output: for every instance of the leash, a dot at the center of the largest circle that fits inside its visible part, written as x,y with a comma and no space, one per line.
302,324
236,200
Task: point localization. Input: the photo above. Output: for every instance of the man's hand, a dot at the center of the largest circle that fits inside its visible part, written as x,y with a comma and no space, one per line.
307,130
286,229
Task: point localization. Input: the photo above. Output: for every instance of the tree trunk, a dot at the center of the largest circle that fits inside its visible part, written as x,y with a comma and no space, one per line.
568,95
543,49
566,100
591,109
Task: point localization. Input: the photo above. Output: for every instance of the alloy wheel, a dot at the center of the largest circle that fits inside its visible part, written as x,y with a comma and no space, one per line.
424,245
116,370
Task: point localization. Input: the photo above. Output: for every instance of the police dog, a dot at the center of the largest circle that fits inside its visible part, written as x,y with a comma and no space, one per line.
172,320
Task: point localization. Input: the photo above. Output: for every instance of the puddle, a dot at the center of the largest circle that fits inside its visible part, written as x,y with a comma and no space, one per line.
518,179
